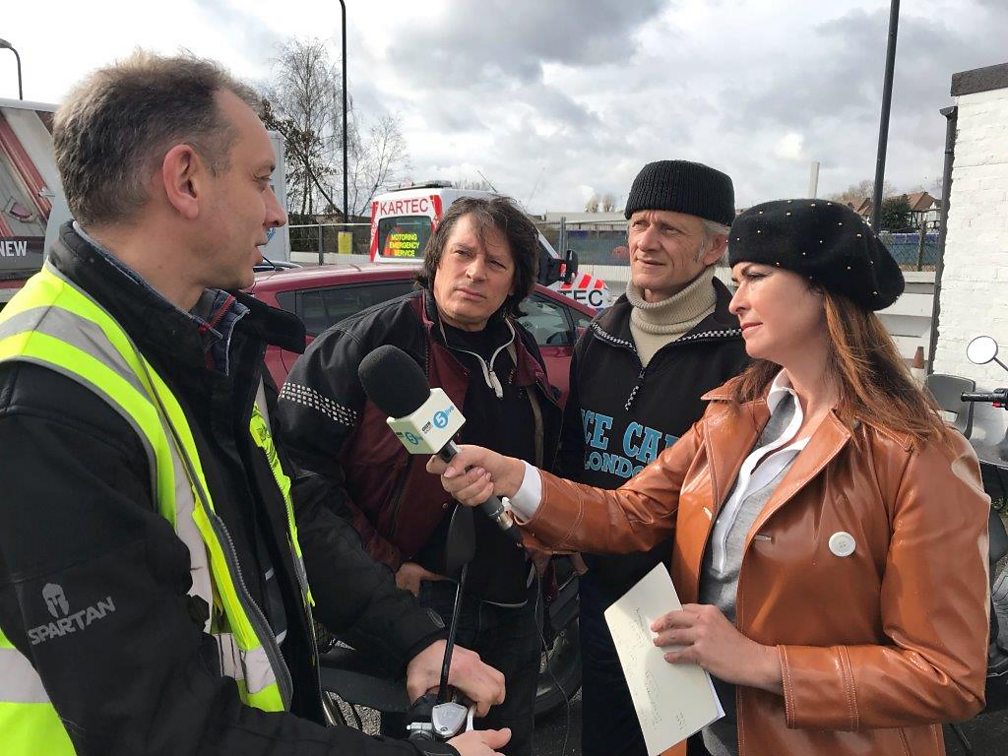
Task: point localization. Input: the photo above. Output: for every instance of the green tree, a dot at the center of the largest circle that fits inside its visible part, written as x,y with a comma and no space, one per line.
895,215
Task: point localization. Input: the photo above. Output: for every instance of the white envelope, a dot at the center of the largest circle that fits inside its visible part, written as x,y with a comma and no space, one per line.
673,701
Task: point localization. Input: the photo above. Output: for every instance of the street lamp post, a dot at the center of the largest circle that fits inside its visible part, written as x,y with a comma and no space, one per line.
4,44
344,83
883,139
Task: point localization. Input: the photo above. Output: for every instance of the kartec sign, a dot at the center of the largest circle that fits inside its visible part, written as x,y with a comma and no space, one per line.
586,289
416,206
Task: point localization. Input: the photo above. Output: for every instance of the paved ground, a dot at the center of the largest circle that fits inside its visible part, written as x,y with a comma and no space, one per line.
559,733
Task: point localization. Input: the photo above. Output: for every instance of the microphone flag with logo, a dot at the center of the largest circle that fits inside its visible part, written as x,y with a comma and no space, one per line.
425,420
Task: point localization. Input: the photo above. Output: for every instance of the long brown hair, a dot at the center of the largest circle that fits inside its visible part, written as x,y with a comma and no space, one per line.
515,226
874,382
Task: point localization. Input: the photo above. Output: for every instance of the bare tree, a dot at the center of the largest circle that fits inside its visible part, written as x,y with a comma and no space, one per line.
855,193
304,106
303,101
379,162
471,184
303,170
608,202
592,204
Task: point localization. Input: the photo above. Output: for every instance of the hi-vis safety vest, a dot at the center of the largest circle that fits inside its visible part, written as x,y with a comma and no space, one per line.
52,323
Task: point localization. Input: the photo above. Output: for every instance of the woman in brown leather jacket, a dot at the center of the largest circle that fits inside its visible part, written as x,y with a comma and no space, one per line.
830,532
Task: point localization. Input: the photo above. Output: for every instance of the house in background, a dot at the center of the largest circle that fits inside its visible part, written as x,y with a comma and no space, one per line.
925,210
862,207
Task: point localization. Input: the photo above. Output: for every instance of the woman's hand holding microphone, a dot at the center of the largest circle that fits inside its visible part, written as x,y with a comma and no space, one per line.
476,474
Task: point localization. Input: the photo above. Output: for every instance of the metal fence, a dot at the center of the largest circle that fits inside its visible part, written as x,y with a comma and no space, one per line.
594,246
603,253
331,238
608,247
914,251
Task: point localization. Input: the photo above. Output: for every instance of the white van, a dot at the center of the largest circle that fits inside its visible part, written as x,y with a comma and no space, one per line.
402,221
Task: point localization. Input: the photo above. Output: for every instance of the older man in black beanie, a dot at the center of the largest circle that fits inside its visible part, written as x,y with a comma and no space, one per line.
635,385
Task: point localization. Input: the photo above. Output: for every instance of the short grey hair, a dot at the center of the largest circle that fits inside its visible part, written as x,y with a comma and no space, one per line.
114,129
713,229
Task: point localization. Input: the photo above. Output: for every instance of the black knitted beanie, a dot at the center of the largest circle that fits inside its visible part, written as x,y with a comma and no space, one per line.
824,241
683,187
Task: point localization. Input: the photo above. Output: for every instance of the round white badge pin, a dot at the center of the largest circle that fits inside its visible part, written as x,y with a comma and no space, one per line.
842,544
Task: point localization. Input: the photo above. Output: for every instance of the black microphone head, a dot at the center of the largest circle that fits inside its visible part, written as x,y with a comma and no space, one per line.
393,381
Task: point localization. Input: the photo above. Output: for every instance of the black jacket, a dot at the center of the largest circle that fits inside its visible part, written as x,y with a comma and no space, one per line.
76,510
619,415
333,429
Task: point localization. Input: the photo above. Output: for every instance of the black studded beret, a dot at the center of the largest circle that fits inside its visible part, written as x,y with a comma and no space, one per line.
825,241
683,187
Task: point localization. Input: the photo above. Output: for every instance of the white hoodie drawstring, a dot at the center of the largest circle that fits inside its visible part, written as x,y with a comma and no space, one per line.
492,381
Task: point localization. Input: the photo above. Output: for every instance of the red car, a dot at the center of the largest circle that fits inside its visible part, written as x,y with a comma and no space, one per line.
324,295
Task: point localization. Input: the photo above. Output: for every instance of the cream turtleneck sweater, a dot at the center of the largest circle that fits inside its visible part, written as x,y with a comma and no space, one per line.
655,324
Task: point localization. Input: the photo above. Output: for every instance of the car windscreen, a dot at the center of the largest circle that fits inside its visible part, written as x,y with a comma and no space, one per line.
403,237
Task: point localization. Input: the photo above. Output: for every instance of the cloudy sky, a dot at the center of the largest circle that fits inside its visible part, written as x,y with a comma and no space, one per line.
553,100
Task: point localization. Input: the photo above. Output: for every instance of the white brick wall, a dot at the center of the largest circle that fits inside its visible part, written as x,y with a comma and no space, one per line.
974,294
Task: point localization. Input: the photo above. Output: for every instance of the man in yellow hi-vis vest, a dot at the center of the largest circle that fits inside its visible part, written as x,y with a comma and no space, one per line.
155,555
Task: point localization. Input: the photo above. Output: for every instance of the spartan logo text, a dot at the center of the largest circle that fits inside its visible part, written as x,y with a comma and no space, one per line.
65,621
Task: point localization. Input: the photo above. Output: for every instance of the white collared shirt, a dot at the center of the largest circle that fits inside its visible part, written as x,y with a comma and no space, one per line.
763,466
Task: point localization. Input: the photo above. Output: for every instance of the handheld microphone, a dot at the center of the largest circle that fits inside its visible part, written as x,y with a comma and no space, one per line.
423,419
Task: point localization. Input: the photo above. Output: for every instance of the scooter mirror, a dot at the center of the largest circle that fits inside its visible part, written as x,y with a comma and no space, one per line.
981,350
460,545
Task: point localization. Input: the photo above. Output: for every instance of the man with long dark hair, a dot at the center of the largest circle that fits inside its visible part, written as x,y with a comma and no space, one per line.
460,328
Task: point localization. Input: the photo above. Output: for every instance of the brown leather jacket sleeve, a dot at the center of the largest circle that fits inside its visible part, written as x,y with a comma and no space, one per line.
633,517
934,608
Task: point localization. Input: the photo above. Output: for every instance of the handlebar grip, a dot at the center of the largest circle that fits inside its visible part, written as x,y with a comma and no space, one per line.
998,396
421,736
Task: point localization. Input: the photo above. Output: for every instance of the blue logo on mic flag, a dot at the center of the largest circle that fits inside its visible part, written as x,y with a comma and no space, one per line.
441,419
412,438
